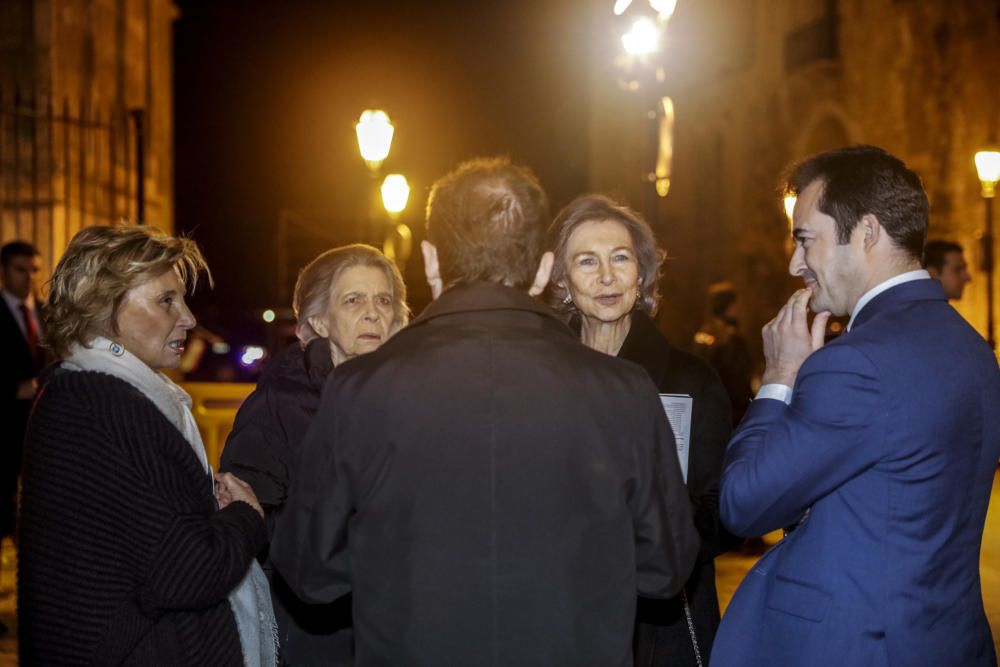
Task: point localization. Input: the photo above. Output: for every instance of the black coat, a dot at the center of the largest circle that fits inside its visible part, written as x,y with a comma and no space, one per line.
18,366
493,491
123,557
263,450
662,636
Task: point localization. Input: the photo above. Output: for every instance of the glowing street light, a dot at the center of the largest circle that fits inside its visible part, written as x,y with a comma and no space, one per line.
988,168
395,193
268,315
374,136
643,39
621,6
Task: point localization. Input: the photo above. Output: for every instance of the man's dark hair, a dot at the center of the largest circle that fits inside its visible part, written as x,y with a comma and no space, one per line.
17,249
487,219
865,179
935,253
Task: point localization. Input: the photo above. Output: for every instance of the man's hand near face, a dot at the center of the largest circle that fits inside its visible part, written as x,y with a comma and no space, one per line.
788,339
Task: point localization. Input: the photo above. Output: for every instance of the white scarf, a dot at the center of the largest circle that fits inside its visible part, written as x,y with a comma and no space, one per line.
251,599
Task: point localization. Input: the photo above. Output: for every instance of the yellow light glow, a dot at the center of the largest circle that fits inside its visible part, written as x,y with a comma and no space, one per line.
621,6
665,8
395,193
268,315
789,206
642,39
665,150
988,166
374,136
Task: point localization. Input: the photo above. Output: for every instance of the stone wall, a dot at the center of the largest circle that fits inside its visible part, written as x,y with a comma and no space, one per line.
68,150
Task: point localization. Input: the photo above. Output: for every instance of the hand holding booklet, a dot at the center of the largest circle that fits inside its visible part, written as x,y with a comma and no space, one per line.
679,408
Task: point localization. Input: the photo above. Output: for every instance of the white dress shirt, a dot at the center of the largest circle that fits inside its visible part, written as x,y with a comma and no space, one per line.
14,305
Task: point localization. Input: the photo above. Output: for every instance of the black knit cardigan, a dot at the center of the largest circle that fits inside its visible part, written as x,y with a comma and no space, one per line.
123,556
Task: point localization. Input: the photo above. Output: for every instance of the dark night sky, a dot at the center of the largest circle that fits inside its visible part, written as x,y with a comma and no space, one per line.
267,94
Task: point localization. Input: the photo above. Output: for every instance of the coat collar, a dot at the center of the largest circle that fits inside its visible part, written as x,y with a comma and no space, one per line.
645,345
487,297
915,290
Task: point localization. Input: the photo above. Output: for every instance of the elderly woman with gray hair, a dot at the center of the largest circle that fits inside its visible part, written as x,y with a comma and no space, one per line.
605,282
129,555
347,301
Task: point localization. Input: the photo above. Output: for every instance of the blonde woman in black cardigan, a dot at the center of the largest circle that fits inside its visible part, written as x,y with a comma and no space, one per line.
125,555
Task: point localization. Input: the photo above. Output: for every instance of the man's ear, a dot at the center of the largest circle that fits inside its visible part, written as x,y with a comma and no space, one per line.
319,325
542,275
431,268
871,230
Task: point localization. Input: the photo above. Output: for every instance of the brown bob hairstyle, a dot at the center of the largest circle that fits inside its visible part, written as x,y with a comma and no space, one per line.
100,265
600,208
312,289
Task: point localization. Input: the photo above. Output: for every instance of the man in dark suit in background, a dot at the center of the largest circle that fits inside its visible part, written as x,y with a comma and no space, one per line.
945,261
491,490
20,339
881,445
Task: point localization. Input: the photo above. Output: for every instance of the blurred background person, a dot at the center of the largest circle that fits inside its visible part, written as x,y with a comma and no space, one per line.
20,336
347,302
946,263
720,343
605,280
129,554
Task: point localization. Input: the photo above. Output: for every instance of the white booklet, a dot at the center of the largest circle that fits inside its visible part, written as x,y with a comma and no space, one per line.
679,408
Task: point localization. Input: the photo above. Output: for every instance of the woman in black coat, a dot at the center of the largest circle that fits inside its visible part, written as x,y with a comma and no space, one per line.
347,301
604,280
129,554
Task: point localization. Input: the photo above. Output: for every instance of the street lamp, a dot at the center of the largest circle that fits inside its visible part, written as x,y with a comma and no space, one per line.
395,193
374,137
988,167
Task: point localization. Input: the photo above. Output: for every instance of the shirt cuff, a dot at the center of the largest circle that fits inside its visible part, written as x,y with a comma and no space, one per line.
778,392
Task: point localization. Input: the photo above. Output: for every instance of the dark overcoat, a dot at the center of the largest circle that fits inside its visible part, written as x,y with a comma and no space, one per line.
263,450
663,636
491,490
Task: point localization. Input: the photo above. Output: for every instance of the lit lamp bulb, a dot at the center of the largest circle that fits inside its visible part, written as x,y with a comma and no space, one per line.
642,39
395,193
988,166
374,136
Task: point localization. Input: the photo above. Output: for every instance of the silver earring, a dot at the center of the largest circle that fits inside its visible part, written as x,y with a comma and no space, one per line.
568,300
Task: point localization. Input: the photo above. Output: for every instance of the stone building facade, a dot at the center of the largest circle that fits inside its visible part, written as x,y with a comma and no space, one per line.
85,99
759,84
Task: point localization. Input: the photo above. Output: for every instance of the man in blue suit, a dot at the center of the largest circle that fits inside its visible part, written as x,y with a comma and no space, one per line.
880,446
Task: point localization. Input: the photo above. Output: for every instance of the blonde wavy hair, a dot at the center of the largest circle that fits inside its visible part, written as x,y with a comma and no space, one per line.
99,267
312,289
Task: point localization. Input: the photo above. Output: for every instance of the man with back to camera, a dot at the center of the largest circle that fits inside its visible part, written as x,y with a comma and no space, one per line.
945,262
880,445
491,490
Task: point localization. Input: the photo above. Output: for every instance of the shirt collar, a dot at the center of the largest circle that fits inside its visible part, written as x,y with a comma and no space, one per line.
898,279
15,303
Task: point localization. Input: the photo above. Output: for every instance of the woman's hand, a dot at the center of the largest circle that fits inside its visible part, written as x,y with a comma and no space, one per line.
230,488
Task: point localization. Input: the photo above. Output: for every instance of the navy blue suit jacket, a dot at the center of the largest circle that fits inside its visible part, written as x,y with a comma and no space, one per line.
891,442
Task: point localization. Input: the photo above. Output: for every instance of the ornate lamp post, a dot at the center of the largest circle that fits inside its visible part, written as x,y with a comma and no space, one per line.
988,167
